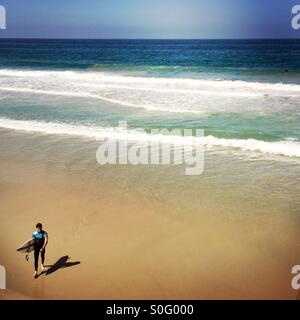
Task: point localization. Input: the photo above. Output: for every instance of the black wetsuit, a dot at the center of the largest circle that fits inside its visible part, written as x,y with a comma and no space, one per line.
39,243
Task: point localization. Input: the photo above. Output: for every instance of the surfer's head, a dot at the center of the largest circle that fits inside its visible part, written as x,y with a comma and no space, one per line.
39,227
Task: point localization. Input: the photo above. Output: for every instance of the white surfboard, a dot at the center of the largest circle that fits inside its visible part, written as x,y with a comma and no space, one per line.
27,247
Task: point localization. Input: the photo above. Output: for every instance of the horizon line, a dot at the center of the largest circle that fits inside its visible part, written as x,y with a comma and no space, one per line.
53,38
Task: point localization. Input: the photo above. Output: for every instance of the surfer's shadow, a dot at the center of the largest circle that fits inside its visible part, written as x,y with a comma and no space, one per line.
61,263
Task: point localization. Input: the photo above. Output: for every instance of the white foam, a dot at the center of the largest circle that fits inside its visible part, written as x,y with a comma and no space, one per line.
284,148
69,94
164,94
90,75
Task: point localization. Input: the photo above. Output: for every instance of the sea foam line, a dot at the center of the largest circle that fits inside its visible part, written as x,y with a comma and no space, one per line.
284,148
92,76
184,91
94,96
71,94
128,91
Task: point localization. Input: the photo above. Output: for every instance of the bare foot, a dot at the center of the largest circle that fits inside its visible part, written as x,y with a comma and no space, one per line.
35,275
43,268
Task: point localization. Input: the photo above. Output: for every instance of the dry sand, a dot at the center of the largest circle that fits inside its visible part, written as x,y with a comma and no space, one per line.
122,246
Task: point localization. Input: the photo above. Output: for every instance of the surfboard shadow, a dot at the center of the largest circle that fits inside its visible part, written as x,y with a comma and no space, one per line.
60,264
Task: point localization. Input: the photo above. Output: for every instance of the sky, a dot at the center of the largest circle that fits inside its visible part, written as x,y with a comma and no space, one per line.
162,19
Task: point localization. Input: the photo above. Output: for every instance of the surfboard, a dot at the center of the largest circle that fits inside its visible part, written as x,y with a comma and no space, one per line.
27,247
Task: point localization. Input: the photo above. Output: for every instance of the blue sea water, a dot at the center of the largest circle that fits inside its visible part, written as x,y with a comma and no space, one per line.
240,92
229,59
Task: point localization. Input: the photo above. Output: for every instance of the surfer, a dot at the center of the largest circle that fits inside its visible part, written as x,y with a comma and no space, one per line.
41,241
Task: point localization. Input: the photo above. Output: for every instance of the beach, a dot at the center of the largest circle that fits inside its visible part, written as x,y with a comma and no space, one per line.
131,240
150,231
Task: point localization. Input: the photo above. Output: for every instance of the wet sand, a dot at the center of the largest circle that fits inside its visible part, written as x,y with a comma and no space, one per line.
107,242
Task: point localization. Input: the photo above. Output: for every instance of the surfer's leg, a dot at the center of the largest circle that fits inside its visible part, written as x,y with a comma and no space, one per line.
36,261
43,258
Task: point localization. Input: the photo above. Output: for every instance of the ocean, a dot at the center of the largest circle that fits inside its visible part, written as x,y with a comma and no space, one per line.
241,92
244,94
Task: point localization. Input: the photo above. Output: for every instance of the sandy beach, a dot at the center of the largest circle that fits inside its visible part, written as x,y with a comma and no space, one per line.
107,242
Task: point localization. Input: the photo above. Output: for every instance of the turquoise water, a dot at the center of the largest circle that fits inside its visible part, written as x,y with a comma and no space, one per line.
240,92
